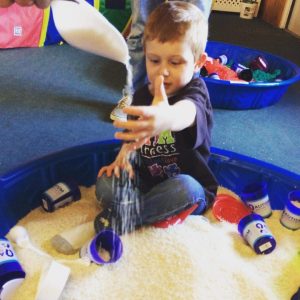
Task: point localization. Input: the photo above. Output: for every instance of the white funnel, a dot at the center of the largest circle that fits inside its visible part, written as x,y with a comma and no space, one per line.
83,27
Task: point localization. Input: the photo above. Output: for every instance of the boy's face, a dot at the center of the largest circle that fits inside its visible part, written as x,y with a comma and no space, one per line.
173,60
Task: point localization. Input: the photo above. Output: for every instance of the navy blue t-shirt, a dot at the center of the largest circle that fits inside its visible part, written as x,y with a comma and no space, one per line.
182,152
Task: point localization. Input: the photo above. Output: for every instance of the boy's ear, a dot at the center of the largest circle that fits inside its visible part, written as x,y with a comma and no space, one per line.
200,61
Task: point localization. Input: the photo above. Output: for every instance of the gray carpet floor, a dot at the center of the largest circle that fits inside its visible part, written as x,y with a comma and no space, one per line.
57,97
270,134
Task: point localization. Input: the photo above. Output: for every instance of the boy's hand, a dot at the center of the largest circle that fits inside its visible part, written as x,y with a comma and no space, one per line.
160,96
121,162
151,119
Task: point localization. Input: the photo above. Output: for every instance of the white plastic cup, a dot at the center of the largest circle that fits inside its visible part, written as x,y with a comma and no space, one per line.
290,217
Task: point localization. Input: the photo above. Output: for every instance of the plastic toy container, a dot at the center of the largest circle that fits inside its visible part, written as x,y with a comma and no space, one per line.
59,195
257,234
256,197
239,96
21,189
11,272
291,215
106,240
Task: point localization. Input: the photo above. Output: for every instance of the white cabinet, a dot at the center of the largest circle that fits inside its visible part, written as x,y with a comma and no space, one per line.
231,6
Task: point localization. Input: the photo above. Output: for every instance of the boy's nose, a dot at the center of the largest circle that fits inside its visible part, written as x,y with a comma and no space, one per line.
164,71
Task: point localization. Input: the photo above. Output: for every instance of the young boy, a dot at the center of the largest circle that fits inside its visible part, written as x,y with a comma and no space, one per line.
141,9
172,125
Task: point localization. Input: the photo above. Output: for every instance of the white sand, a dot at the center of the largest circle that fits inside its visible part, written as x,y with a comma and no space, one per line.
194,260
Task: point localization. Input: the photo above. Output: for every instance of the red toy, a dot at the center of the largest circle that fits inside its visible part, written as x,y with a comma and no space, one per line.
230,209
213,66
176,219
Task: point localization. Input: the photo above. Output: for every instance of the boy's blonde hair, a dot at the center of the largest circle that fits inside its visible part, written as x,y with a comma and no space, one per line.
178,20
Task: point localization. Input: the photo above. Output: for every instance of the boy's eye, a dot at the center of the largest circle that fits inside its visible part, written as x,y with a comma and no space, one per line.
176,62
154,60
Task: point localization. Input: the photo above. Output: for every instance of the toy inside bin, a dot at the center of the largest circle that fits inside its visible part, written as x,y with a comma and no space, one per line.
253,95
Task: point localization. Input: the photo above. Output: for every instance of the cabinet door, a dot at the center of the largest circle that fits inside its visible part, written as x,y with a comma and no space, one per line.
275,12
294,24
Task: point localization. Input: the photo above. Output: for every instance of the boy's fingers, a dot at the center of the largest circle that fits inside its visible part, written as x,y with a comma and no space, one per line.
134,136
129,137
132,125
138,144
135,110
104,170
100,173
117,172
159,91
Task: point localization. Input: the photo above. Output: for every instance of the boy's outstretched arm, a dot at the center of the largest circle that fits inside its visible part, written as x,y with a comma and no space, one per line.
154,119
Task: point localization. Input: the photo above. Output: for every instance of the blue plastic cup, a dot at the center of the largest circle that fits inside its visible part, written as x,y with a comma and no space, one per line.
106,240
256,196
290,217
257,234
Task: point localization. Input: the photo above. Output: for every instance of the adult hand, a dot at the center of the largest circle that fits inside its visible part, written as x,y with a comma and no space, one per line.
39,3
152,120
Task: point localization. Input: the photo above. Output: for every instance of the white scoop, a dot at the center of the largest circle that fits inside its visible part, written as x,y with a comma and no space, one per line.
19,235
83,27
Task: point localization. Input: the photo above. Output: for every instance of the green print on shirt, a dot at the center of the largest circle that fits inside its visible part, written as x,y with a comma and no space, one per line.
165,138
162,145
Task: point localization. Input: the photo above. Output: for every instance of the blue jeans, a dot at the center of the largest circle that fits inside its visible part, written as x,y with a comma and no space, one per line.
140,11
161,201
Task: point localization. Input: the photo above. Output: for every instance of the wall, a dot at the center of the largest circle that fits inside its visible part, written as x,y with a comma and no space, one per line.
294,24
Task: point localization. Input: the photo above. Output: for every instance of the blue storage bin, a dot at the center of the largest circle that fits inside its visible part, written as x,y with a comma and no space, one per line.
240,96
21,189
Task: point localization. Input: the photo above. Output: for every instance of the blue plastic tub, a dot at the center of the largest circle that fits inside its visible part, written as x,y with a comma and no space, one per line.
240,96
21,189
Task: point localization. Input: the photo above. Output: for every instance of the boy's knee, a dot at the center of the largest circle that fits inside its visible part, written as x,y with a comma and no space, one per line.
104,190
194,191
191,185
